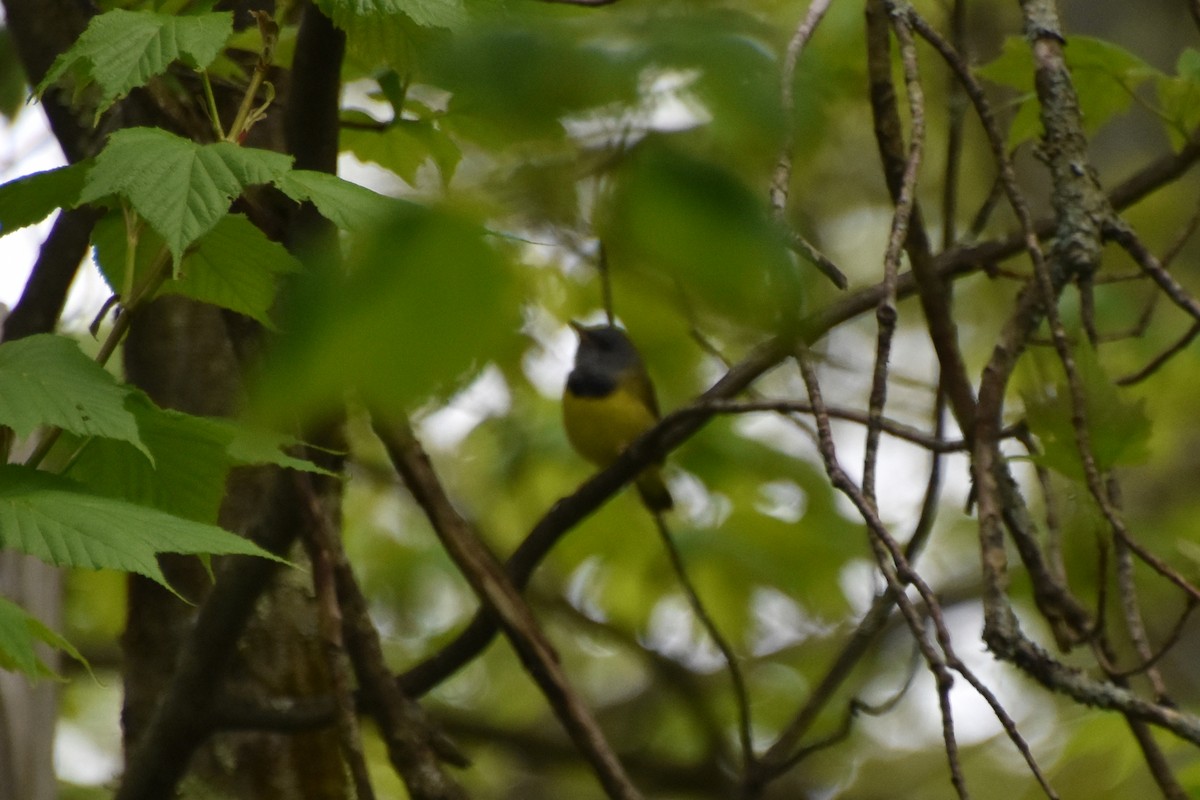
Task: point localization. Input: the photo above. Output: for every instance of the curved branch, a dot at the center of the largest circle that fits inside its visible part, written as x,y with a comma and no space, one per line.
504,604
45,292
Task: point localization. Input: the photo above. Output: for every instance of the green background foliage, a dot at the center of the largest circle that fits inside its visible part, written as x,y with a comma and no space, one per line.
518,134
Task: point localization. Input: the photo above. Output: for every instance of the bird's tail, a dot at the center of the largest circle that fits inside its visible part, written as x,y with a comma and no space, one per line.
654,492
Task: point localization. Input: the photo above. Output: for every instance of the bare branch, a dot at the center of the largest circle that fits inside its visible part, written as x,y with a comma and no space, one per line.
782,177
501,598
735,671
329,623
413,746
905,198
45,292
931,288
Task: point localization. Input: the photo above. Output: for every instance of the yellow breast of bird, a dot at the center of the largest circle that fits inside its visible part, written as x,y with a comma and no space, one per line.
601,427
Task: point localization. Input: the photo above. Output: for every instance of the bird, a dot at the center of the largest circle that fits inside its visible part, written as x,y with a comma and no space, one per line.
608,402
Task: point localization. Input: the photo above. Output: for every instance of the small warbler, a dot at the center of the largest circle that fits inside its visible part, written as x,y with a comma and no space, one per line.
609,401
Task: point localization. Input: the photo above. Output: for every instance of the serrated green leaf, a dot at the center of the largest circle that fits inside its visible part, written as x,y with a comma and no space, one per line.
192,456
20,631
47,380
54,519
187,478
109,243
235,266
382,147
251,445
121,49
181,188
32,198
1106,78
345,204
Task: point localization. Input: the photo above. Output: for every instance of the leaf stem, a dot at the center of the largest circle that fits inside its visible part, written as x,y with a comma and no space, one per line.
213,114
137,295
247,114
132,234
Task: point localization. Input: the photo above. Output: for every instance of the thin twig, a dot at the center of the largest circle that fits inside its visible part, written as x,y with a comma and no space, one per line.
892,565
931,442
855,707
934,293
1135,625
1161,359
819,260
782,176
1169,642
1120,232
414,746
741,695
1173,250
885,313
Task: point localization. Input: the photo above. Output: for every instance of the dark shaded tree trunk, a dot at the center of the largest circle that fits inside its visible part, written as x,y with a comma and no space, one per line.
185,356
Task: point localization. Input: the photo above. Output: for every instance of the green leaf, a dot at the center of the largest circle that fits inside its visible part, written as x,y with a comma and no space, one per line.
1119,428
1179,98
187,478
684,222
192,456
234,265
403,146
32,198
426,13
19,633
109,245
181,188
121,50
252,445
1104,75
507,82
52,518
47,380
387,31
426,298
345,204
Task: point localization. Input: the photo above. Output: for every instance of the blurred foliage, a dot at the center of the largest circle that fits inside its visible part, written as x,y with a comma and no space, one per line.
520,134
13,89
